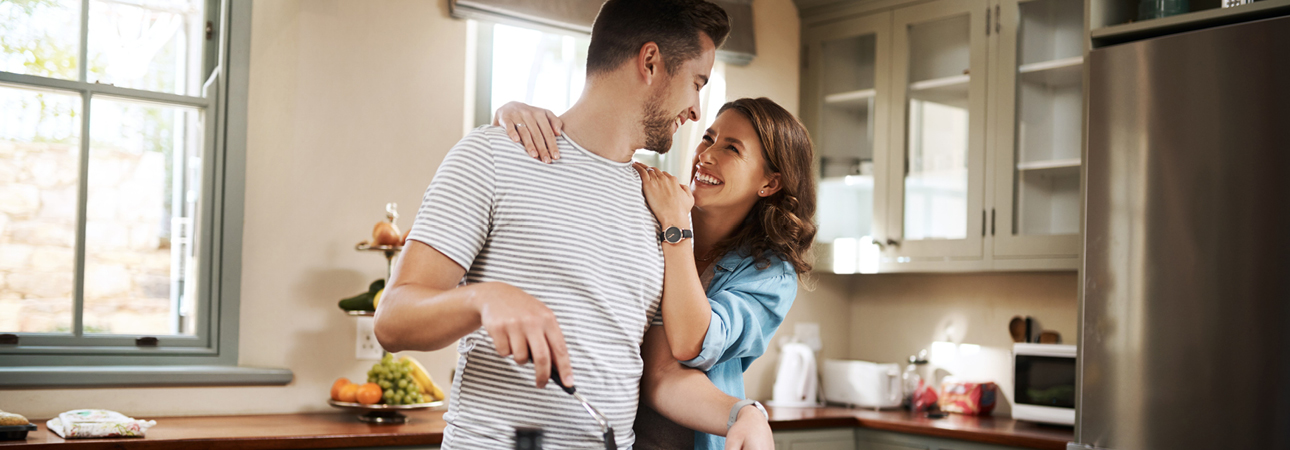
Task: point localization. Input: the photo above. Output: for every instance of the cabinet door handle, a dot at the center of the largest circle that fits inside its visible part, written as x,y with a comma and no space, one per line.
992,221
998,20
987,21
882,245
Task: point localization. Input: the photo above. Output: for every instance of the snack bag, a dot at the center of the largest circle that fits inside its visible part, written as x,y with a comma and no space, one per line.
97,423
973,399
924,398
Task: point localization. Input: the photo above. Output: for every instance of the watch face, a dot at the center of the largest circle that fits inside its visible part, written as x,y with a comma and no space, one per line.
672,234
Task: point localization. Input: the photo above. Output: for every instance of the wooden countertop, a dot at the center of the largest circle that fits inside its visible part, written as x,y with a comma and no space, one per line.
276,431
332,430
989,430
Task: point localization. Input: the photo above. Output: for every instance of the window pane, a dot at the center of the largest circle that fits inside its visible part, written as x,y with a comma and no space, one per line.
538,68
154,45
39,172
143,183
40,37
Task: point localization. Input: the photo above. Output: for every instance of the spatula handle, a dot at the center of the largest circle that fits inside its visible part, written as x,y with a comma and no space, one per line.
555,376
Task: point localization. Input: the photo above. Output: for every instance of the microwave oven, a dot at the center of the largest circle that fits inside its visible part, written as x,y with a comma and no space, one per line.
1043,380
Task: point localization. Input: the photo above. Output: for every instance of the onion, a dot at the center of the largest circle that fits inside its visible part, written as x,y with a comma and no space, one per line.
385,233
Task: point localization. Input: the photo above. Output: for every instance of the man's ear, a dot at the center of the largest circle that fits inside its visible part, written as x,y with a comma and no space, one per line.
771,186
649,63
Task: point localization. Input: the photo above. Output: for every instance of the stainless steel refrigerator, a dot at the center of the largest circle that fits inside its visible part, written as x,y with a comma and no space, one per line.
1185,322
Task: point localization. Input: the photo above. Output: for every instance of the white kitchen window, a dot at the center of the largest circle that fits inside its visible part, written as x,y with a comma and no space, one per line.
122,143
546,67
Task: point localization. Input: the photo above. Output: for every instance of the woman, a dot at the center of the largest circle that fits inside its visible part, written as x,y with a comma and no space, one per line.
751,199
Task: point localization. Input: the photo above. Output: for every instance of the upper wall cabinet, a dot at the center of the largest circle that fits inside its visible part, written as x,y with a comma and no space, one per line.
1039,127
948,135
938,127
844,105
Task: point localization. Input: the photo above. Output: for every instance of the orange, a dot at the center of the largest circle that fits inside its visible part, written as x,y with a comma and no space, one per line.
335,387
369,394
348,393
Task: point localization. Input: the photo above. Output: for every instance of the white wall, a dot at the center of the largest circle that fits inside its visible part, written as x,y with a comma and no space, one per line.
352,105
774,73
895,315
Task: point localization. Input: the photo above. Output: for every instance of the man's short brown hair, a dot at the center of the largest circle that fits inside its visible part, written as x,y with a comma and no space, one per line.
623,26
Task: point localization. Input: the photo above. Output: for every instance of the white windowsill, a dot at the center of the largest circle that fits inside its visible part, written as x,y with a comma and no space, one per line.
140,376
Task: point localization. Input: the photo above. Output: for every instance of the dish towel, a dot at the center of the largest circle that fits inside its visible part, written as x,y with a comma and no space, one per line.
97,423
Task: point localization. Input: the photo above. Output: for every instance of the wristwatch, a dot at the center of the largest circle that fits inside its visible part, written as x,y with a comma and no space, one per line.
734,411
673,235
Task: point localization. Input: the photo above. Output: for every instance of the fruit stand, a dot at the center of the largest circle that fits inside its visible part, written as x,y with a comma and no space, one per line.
393,385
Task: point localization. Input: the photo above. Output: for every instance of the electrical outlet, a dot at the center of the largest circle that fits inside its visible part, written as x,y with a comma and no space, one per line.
366,345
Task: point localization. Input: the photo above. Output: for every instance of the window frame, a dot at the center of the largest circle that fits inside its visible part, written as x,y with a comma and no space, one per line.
209,356
480,113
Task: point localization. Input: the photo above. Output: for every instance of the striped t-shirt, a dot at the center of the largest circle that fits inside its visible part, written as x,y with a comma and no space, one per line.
576,235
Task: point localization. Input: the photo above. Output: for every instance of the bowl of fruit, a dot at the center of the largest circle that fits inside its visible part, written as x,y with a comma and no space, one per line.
392,386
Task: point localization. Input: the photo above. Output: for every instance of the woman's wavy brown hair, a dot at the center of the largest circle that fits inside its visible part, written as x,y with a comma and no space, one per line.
782,224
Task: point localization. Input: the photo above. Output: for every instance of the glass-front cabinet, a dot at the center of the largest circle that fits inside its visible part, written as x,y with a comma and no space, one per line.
938,143
844,100
948,134
1038,134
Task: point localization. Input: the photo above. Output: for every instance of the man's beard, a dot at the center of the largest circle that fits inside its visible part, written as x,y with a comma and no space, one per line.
657,124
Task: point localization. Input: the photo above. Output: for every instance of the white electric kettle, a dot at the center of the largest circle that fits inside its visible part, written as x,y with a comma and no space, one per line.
796,381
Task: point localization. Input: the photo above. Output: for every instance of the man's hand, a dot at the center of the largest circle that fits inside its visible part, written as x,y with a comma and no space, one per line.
750,431
423,289
523,327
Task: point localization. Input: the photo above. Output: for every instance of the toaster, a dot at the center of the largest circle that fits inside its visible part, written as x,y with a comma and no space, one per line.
861,383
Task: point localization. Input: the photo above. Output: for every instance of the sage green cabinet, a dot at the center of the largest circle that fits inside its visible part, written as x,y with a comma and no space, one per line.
1038,131
821,439
845,100
939,73
867,439
948,134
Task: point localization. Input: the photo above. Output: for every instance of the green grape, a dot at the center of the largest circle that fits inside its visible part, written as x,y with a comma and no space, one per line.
398,398
384,384
403,383
387,396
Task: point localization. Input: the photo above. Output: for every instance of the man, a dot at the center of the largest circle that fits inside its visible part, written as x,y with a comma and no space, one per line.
562,261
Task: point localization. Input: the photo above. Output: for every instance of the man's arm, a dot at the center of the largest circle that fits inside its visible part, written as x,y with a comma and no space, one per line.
687,397
423,309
